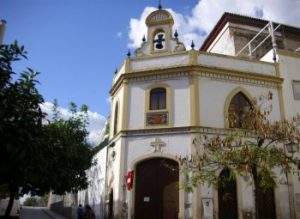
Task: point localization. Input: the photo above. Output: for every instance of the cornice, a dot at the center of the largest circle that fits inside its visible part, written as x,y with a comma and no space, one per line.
214,73
180,130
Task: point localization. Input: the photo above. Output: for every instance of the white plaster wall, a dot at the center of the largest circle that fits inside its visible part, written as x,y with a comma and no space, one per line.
223,44
180,104
136,104
213,94
176,145
94,195
179,115
159,62
234,63
289,68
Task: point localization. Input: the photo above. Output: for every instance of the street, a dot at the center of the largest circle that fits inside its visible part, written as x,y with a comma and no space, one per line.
33,213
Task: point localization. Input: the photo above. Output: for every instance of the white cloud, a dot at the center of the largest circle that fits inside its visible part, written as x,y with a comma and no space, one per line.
201,19
95,126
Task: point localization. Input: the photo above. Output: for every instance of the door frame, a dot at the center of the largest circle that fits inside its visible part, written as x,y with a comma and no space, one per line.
238,194
131,194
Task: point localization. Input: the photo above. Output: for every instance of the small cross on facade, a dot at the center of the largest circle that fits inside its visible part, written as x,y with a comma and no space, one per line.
157,144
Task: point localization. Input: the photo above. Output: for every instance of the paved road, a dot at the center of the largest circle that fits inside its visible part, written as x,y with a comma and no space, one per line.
33,213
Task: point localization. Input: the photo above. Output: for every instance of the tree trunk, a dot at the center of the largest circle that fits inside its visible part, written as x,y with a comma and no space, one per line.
12,195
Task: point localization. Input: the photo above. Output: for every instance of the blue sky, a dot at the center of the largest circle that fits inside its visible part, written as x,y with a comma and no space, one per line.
75,44
78,44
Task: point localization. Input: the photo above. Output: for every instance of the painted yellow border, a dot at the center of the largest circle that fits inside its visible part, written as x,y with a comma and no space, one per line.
168,105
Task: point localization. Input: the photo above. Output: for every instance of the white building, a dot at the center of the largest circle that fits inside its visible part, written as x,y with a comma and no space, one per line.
165,95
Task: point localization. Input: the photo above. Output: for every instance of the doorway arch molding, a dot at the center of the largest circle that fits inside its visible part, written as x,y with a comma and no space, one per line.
229,98
140,159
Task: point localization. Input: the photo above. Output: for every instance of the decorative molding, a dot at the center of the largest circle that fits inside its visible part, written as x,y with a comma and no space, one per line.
167,111
228,100
281,103
157,118
180,130
159,17
125,99
213,73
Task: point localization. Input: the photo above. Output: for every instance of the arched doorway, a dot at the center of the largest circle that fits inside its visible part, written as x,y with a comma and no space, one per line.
227,196
156,189
264,200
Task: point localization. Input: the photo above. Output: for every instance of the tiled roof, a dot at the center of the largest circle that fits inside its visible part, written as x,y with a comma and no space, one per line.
241,19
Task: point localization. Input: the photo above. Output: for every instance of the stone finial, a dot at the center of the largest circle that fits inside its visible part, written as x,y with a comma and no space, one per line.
176,34
193,44
128,53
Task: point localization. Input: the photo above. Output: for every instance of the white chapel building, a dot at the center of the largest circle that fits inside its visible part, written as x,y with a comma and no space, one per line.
164,95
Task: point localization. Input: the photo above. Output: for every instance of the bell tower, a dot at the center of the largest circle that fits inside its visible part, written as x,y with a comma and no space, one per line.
160,38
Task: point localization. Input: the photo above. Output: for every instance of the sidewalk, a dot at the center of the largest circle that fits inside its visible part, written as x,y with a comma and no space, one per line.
52,214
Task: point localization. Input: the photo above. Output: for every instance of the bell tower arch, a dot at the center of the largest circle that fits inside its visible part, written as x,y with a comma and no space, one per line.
160,38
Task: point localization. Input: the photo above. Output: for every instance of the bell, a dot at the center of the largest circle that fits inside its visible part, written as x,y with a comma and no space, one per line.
158,41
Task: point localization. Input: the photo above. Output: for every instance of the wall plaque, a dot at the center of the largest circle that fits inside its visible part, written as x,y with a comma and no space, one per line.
157,118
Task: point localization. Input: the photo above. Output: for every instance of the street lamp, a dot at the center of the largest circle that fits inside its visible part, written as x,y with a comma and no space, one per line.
292,147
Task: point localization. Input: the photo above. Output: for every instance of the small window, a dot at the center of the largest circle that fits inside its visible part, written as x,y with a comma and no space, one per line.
238,107
159,41
158,99
116,118
296,89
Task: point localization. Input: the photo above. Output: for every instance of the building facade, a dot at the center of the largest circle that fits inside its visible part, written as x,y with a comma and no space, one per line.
166,95
2,29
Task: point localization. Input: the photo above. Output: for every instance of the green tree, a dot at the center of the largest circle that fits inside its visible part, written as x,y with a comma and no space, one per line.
67,154
37,155
254,150
31,201
20,121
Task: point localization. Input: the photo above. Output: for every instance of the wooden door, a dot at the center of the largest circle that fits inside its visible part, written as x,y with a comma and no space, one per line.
227,196
265,203
156,189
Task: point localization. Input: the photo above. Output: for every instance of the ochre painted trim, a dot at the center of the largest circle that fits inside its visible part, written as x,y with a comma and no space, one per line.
127,65
179,130
194,100
115,102
228,100
124,115
281,103
193,57
204,71
169,97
